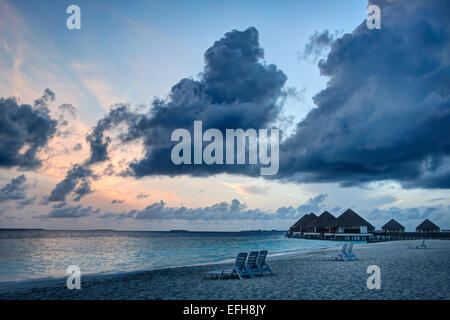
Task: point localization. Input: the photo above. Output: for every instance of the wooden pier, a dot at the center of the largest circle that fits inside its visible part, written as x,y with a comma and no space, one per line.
376,236
349,226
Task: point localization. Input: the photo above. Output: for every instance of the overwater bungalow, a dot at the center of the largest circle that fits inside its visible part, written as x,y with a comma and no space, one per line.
393,227
427,226
351,226
301,224
323,223
348,226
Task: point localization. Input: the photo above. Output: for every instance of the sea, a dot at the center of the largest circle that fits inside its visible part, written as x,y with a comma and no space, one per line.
45,254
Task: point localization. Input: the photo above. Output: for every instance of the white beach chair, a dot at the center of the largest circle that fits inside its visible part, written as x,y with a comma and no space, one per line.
239,268
261,262
252,265
212,275
341,256
422,245
350,255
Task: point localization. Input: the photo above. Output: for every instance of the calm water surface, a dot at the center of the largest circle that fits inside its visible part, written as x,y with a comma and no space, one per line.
33,254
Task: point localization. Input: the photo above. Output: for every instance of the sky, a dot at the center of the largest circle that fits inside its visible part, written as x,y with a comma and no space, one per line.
86,115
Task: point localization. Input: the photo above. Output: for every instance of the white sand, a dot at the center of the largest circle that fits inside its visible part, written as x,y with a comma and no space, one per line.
405,274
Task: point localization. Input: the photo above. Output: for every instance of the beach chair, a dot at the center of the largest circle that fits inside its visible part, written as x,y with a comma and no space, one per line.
341,256
239,268
261,262
422,245
349,253
212,275
252,266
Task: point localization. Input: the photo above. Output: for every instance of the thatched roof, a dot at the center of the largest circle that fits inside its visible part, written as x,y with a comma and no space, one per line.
326,219
351,219
427,225
393,225
305,220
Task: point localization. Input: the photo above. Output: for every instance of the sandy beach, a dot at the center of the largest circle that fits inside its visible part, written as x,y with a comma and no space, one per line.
405,274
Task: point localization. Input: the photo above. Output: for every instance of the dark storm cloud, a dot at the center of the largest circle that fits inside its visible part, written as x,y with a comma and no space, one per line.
64,111
411,217
68,108
219,211
234,210
236,90
313,205
42,102
15,190
385,113
319,43
335,210
44,201
24,130
28,202
83,189
234,72
120,114
62,211
78,179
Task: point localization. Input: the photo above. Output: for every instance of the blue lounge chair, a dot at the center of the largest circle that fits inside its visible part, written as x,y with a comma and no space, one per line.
239,268
261,262
350,255
252,266
212,275
341,256
422,245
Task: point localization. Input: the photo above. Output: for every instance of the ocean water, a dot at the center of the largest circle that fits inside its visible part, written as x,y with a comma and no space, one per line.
40,254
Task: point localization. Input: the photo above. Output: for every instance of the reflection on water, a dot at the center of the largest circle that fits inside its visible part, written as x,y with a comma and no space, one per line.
31,254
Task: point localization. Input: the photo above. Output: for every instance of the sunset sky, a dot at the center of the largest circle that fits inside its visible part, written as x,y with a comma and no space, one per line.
365,114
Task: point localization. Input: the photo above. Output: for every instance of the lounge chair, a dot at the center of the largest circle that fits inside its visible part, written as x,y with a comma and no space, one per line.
239,268
261,262
212,275
252,266
349,253
341,256
422,245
